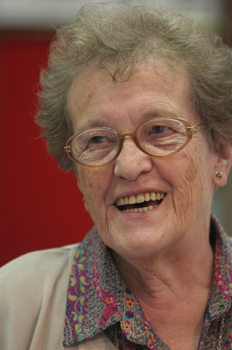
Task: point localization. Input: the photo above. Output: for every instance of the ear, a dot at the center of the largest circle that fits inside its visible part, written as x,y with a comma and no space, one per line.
81,189
223,164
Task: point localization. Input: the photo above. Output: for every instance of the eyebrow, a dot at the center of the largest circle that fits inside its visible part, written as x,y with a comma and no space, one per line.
97,123
159,113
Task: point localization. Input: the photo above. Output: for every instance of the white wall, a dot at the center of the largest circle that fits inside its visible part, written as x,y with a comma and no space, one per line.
47,13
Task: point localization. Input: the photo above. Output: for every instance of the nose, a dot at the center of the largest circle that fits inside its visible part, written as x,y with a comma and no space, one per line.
131,161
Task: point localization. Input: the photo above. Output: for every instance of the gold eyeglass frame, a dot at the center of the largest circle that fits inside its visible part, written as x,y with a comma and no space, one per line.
190,130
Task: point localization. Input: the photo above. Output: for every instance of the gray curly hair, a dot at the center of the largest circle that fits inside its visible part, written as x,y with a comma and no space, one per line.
116,37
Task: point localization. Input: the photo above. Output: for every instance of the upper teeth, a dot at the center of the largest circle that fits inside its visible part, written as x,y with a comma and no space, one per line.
140,198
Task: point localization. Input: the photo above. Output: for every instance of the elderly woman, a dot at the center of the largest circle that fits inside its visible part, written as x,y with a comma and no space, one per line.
138,103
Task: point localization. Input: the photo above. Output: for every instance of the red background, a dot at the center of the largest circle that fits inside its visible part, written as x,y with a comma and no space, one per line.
40,205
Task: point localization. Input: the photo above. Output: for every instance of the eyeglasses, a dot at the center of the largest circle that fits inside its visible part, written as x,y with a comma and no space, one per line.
159,137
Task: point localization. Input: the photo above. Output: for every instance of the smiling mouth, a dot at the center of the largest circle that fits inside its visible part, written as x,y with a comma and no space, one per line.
140,203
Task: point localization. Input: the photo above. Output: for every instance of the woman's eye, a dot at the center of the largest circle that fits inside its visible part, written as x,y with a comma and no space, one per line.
98,139
100,142
157,129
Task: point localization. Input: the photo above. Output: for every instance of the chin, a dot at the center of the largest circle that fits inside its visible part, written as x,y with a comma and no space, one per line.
136,246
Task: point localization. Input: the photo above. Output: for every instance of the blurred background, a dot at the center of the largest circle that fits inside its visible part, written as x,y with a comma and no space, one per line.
40,205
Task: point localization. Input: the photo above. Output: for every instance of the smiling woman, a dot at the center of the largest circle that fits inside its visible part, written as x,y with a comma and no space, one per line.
138,103
123,108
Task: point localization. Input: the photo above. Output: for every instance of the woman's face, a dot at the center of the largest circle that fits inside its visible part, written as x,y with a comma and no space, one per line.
185,179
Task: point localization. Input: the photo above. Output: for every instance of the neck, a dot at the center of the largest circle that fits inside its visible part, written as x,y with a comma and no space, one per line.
173,289
176,273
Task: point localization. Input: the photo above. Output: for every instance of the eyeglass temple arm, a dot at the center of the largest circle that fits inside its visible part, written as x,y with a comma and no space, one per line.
195,128
67,149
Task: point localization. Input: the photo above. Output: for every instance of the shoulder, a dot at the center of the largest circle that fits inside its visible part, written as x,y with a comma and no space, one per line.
45,264
33,292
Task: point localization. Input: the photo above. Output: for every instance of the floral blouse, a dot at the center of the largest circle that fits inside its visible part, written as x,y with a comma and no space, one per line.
98,300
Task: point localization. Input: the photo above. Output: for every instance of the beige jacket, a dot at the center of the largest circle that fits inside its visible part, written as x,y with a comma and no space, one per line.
33,292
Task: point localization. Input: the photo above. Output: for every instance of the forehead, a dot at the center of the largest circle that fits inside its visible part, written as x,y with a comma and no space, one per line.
95,98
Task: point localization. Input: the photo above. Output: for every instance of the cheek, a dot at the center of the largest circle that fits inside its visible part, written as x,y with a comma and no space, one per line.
85,180
192,174
90,190
90,180
191,186
93,183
